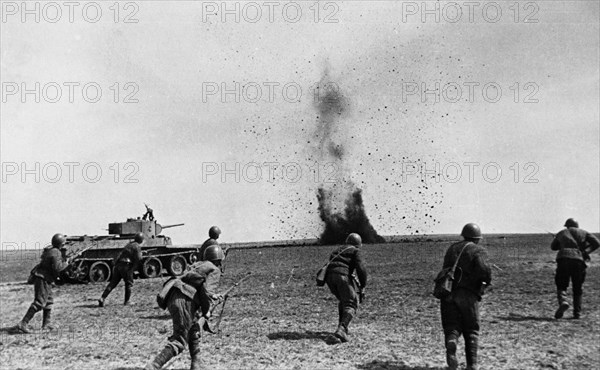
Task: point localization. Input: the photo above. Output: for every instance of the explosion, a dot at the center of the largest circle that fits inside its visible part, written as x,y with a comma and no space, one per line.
340,204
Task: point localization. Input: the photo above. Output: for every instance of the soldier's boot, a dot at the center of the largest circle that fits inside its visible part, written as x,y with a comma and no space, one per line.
161,359
577,306
342,329
471,344
47,320
194,345
341,333
451,341
105,294
127,296
563,305
23,325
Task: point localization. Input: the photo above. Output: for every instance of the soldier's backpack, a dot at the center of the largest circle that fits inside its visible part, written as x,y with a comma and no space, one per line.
322,273
163,296
443,282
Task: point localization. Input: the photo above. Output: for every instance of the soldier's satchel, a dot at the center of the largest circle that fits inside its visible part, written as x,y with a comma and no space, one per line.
443,282
32,274
322,273
582,248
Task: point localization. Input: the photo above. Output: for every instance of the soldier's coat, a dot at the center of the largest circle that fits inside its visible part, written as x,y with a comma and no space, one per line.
194,291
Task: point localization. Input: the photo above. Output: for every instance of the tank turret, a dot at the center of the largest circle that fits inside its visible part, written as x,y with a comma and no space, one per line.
150,229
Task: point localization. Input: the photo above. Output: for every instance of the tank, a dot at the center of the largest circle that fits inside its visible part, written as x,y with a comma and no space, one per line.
93,257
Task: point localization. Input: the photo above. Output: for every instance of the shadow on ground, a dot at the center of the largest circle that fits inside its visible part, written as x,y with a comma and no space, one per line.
518,318
89,305
156,317
290,335
142,368
393,365
6,329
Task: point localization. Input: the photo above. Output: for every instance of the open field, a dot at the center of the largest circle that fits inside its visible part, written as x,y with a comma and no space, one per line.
279,320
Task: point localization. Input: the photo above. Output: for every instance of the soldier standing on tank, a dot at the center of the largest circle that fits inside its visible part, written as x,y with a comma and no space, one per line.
193,294
344,261
460,310
127,262
213,235
43,275
574,246
149,213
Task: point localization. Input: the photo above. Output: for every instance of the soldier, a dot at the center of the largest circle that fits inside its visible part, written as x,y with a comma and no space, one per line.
574,246
149,213
196,290
43,275
344,261
127,261
213,235
460,310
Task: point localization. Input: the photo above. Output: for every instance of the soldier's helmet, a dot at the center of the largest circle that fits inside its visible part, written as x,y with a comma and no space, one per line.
58,240
471,231
571,223
214,253
214,232
354,239
139,238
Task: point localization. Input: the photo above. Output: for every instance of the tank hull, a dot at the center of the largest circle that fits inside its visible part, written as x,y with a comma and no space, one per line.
95,257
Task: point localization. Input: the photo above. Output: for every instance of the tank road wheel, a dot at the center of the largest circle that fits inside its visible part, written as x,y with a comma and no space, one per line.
77,273
99,272
151,267
176,265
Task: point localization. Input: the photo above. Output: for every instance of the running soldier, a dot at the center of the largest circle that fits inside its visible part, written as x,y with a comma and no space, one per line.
127,262
574,246
344,261
213,235
186,299
460,310
43,275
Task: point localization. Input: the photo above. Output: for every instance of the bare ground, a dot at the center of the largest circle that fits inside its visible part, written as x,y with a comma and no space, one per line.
280,320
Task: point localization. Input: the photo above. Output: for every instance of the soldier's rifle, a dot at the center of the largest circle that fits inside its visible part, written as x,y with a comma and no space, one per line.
72,256
75,271
360,289
215,329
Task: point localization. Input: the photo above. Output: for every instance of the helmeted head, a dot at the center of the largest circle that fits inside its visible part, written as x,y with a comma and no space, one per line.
139,238
214,232
354,239
214,253
571,223
58,240
471,232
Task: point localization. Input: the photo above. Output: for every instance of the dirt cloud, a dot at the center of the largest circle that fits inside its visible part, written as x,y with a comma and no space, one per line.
341,205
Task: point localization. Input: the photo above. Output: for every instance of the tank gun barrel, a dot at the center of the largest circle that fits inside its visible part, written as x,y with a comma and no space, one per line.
168,226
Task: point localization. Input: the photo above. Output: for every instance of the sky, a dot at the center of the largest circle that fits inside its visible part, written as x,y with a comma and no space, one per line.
212,120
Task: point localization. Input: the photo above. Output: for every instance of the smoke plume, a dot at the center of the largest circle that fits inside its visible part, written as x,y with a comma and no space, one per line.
341,205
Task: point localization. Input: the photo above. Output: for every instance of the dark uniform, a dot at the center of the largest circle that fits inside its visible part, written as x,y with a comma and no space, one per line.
460,310
194,293
572,245
43,275
127,262
344,261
